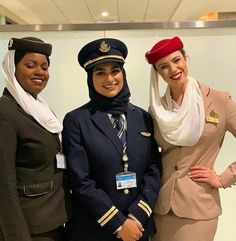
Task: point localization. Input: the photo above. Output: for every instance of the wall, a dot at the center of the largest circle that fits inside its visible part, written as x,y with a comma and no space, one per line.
212,54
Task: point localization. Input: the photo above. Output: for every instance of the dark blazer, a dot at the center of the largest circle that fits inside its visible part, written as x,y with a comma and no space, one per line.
93,153
31,193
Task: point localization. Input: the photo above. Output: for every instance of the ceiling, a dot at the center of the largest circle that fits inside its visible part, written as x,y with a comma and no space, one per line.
118,11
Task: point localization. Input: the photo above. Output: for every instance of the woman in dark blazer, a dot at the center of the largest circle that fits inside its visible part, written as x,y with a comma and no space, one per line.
32,203
114,178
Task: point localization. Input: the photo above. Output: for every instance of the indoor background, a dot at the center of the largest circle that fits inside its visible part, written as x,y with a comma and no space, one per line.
207,28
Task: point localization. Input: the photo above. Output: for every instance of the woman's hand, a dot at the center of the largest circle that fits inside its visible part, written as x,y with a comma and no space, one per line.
131,230
205,174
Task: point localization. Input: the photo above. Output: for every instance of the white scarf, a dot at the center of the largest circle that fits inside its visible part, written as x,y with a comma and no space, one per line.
37,108
186,126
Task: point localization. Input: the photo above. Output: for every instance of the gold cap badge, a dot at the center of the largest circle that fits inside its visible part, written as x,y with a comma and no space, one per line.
104,47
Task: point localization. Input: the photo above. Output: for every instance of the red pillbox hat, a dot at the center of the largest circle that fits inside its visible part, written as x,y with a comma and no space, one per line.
163,48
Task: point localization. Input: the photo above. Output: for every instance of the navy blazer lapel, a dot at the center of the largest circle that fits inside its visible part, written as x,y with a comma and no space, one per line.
102,121
132,128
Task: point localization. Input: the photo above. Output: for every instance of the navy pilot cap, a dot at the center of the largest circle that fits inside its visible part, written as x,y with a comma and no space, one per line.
101,51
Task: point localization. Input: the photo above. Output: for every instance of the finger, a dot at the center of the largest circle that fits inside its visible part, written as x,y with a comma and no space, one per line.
140,227
201,180
139,236
196,167
209,172
197,174
199,168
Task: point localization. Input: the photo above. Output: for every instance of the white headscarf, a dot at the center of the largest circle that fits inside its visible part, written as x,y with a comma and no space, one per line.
37,108
186,126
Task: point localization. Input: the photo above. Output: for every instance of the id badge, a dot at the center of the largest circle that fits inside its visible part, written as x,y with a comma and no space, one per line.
61,161
126,180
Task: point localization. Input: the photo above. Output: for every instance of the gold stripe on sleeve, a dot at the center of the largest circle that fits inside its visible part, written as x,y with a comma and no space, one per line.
108,216
144,209
146,205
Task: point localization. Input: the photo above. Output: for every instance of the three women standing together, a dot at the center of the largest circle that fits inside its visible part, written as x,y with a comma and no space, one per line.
114,166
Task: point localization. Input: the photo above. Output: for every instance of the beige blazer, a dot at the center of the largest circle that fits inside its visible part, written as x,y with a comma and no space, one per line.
178,192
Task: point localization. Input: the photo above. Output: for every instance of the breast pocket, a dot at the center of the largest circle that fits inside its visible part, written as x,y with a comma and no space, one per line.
142,143
38,189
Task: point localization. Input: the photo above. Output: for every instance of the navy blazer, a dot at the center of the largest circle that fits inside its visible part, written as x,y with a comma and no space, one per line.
94,153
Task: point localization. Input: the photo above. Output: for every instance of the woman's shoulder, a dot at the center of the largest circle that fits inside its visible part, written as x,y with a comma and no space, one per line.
7,99
9,114
213,92
8,106
139,110
208,90
79,112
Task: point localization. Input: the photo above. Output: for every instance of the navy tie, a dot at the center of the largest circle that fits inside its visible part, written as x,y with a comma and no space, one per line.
119,125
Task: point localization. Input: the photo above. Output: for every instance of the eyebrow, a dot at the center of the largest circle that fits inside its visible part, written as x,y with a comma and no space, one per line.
164,63
36,62
160,65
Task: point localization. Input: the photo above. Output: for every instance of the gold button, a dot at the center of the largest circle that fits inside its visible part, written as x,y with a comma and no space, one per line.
126,191
125,158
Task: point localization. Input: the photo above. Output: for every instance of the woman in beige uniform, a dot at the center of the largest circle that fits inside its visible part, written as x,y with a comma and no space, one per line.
190,122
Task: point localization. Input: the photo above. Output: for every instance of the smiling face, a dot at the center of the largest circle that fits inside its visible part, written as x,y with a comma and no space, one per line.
108,79
173,69
32,73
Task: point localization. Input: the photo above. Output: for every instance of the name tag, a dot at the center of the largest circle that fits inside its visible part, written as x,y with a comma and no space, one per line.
61,161
126,180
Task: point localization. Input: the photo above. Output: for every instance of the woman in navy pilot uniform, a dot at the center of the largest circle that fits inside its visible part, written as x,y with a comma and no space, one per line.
113,160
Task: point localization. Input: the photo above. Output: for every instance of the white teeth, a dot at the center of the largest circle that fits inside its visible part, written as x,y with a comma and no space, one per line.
109,86
176,76
37,80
